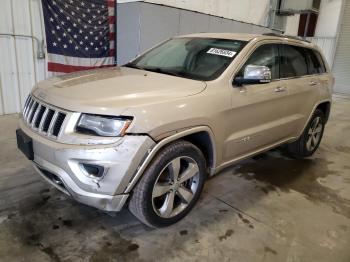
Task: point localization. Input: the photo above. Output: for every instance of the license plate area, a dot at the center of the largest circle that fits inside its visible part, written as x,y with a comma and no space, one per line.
25,144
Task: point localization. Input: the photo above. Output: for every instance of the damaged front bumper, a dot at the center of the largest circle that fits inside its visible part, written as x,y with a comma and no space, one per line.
68,167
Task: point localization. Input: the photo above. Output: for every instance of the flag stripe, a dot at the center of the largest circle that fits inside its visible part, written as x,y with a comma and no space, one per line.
78,61
112,36
61,68
111,11
112,20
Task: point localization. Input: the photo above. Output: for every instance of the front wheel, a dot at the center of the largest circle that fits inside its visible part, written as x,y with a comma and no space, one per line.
170,186
311,138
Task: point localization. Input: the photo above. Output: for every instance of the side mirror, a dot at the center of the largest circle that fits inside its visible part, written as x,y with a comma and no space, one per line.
254,74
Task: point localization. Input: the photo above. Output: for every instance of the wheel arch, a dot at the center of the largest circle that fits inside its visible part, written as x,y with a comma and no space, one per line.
325,107
322,105
200,136
205,143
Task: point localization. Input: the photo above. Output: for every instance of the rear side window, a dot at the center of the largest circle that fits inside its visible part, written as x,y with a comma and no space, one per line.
315,65
293,61
312,62
321,62
265,55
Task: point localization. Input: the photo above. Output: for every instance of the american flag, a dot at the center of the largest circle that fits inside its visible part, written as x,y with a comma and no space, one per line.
80,34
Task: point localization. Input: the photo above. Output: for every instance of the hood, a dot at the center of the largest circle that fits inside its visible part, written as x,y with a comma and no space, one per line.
112,91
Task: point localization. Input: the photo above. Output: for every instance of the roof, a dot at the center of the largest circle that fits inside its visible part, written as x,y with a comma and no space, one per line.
231,36
249,37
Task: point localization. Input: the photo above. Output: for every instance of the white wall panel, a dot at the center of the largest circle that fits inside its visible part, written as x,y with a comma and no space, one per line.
328,19
25,67
1,99
292,24
327,45
25,63
6,16
9,79
38,30
250,11
21,17
341,67
19,68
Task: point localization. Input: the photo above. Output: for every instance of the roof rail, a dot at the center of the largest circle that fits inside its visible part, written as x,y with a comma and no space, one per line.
287,36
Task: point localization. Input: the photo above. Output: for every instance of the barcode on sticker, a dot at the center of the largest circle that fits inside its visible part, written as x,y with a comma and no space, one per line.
222,52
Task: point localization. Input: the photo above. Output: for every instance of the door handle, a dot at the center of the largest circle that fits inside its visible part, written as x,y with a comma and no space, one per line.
312,83
280,89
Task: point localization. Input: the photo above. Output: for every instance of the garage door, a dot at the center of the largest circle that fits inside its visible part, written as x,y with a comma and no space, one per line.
341,67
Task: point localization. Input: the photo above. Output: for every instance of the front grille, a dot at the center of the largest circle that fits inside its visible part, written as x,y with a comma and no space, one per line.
43,118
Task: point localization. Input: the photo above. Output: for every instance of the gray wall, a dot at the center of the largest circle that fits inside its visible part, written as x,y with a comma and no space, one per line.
141,25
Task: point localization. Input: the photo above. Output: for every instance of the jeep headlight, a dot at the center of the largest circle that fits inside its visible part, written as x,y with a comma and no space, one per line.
102,125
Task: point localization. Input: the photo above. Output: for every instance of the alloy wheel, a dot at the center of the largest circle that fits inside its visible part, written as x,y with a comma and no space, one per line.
175,187
314,134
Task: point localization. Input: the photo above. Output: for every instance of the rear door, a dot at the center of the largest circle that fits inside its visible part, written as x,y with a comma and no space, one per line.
257,115
325,78
299,68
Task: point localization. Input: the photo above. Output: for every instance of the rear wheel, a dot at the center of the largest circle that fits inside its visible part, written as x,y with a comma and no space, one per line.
170,186
311,138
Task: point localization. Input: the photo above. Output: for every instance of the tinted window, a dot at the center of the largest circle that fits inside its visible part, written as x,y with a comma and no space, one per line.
315,64
265,55
293,61
195,58
321,62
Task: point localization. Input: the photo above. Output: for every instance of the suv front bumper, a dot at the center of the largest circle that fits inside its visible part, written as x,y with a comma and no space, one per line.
62,166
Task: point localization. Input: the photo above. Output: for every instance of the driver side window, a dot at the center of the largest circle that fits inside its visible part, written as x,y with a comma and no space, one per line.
265,55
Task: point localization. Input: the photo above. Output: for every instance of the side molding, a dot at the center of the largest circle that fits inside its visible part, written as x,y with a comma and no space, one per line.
166,141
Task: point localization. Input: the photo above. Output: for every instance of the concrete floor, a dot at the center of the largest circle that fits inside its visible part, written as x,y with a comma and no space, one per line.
270,208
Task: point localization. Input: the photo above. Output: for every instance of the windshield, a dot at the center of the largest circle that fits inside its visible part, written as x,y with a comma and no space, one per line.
195,58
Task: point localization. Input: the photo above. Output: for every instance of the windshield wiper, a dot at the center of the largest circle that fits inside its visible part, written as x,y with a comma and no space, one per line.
162,71
133,66
158,70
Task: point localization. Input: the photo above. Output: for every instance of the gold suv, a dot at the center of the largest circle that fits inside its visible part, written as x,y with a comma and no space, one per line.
147,134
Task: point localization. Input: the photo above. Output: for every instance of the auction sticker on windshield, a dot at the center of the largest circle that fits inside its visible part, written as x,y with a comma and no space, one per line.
222,52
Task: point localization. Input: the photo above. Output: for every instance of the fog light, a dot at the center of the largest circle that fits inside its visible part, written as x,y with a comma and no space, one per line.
93,171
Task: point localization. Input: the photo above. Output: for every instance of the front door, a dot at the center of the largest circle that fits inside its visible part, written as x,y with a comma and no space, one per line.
258,111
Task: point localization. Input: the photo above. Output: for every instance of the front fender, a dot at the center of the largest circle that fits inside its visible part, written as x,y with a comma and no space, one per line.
164,142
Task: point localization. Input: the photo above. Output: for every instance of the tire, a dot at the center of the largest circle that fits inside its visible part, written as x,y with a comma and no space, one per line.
152,197
305,146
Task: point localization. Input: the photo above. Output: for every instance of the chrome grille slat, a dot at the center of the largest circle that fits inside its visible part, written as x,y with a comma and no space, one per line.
42,118
28,109
26,104
36,113
31,112
42,121
52,124
39,116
